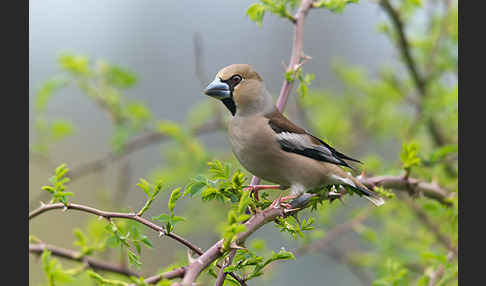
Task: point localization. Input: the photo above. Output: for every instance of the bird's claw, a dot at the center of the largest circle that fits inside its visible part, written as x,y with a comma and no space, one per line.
281,201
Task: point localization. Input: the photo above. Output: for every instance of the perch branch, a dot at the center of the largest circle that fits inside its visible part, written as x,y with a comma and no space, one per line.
429,190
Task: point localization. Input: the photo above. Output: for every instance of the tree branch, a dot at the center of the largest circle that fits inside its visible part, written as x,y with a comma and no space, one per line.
299,17
38,248
433,227
214,252
135,144
341,255
418,79
131,146
437,275
334,233
335,252
222,273
132,216
429,190
108,215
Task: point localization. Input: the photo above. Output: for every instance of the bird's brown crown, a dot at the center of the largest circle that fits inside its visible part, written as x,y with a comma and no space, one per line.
244,70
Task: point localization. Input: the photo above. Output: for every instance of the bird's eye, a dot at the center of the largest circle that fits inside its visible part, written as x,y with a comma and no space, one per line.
236,79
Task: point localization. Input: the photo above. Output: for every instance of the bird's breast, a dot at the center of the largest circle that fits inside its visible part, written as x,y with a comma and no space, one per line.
255,146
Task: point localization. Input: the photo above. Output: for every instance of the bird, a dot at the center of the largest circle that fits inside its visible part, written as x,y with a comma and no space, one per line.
270,146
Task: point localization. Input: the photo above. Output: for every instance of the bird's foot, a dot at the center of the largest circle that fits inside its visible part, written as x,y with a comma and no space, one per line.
334,194
281,201
254,189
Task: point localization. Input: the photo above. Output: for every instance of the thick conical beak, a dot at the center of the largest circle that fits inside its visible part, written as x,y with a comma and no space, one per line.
218,89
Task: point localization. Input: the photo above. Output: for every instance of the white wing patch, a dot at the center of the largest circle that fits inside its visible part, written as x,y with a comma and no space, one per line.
346,181
302,142
297,140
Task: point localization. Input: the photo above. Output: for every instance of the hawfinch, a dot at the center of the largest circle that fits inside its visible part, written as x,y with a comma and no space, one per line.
272,147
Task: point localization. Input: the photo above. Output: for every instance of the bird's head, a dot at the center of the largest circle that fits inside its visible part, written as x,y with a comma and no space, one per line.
240,88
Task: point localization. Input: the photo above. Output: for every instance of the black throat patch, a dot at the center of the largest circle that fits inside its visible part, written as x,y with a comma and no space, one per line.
230,104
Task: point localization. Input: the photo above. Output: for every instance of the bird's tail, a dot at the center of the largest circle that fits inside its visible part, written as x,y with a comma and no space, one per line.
366,193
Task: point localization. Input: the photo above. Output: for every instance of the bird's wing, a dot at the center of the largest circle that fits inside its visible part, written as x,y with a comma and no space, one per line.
293,138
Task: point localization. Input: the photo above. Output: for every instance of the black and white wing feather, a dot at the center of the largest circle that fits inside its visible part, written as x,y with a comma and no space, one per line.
294,139
302,144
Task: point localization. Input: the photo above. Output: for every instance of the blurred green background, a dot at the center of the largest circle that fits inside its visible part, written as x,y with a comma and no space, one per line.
147,63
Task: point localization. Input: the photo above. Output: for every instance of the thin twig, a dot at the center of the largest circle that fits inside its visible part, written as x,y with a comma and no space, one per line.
38,248
135,144
132,216
433,53
295,57
433,227
199,70
131,146
334,234
123,184
222,273
109,215
214,252
418,79
340,254
437,275
176,273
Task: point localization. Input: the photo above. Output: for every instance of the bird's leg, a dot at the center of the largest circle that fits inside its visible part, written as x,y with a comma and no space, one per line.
280,201
287,198
254,189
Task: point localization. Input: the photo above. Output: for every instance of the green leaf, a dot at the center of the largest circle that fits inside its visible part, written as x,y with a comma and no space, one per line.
120,137
336,6
147,242
244,200
175,219
120,77
145,186
75,64
46,91
162,218
195,188
442,152
61,129
48,189
256,12
137,247
174,196
102,281
409,155
133,258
